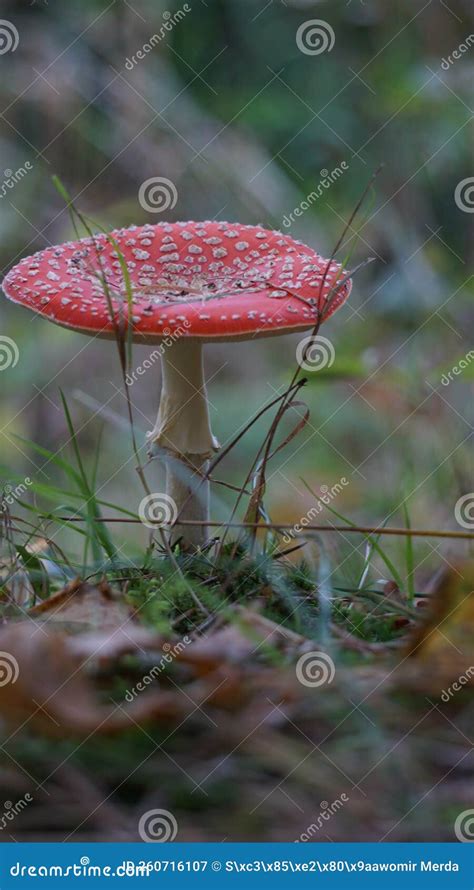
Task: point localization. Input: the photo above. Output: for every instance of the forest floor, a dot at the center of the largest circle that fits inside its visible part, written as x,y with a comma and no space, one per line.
244,700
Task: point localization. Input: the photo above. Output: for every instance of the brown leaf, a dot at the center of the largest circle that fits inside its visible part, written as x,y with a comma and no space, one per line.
83,606
48,690
442,650
238,641
224,646
109,628
114,642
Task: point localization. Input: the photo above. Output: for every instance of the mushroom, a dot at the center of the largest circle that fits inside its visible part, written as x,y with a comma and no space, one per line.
191,283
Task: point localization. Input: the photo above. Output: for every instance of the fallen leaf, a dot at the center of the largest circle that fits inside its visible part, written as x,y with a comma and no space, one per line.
225,645
237,641
45,686
111,644
442,650
83,606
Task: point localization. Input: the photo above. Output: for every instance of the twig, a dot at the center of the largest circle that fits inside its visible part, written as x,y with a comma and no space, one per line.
347,529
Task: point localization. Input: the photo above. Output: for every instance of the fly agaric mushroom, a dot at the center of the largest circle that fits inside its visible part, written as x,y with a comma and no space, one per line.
192,283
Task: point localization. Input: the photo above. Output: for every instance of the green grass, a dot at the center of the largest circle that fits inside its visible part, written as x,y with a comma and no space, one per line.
220,765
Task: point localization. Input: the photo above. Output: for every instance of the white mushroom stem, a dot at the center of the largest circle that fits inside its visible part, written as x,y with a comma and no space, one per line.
183,429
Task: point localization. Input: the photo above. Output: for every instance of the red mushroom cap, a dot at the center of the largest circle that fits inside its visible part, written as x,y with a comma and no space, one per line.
214,280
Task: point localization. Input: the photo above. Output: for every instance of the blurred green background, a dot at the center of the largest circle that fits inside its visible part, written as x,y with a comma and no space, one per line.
246,125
